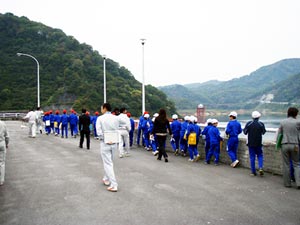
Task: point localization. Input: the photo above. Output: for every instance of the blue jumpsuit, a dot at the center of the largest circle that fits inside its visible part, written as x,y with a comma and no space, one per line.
47,128
176,127
131,132
207,139
139,131
193,151
51,116
93,121
233,129
64,125
73,124
146,132
57,120
183,142
215,138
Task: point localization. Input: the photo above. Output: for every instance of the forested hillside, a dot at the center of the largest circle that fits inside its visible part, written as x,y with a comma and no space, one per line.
273,84
71,73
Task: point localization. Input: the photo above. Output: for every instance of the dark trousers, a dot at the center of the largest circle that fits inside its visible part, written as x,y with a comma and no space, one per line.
161,146
87,135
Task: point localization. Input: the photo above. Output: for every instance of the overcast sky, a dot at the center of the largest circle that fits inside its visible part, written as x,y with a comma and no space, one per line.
187,41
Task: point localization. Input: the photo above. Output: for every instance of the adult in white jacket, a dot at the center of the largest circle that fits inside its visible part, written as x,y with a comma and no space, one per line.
4,140
124,129
107,126
32,121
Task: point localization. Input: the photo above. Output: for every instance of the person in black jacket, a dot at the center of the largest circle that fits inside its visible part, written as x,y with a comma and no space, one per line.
255,129
160,128
84,128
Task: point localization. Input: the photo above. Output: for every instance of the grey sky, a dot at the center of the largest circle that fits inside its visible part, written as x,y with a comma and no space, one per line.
187,41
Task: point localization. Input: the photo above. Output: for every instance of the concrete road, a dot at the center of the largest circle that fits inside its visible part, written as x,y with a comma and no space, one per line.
49,180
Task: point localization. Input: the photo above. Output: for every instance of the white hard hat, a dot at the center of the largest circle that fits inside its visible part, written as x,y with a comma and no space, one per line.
214,121
255,114
233,113
192,118
208,120
155,115
146,115
174,117
186,118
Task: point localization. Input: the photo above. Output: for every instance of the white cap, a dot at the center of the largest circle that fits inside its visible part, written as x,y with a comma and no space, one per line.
233,113
255,114
214,121
174,117
186,118
146,115
155,115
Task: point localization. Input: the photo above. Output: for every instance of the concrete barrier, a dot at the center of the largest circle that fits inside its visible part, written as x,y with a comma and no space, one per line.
272,157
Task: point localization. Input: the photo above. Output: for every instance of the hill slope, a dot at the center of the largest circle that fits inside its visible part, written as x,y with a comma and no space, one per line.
71,74
245,92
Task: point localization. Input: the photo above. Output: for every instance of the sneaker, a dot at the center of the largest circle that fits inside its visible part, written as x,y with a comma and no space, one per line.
176,152
235,163
112,189
197,158
155,153
261,172
106,182
191,160
216,164
121,155
166,160
127,154
252,174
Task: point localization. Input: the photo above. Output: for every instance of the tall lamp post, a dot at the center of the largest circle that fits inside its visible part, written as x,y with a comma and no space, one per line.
104,78
143,79
38,75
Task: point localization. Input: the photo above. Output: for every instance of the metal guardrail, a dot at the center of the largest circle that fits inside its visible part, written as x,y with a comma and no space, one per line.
12,115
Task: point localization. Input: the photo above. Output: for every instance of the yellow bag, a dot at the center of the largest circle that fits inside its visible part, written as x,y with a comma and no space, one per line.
192,139
55,124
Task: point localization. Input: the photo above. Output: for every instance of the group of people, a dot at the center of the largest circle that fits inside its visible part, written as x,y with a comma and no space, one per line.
185,137
115,130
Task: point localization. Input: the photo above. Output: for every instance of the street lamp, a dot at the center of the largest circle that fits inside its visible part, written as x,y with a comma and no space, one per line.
104,78
143,79
38,75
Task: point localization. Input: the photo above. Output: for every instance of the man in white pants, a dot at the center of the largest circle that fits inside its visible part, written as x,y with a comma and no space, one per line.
4,139
32,119
124,133
107,126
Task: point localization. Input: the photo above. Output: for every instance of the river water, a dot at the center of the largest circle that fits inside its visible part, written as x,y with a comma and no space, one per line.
271,122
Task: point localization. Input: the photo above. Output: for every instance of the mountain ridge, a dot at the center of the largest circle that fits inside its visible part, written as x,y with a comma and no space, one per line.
244,92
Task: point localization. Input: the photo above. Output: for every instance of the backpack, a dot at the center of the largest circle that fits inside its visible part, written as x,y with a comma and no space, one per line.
192,139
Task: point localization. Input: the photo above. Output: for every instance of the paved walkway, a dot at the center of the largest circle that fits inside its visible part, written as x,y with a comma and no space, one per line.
49,180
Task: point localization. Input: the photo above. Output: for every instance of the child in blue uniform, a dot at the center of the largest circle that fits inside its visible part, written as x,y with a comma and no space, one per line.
207,139
215,138
183,141
233,130
146,131
193,128
73,119
176,127
64,124
131,130
56,122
